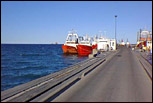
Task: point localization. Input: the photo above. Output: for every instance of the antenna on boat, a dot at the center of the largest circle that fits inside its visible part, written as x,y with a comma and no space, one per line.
105,34
100,33
73,31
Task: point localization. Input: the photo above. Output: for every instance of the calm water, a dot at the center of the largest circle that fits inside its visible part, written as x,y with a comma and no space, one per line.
21,63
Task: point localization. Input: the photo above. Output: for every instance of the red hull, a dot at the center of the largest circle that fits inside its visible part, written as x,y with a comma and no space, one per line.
94,46
84,49
69,49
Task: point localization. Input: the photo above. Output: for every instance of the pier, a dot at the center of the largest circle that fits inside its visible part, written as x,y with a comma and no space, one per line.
123,75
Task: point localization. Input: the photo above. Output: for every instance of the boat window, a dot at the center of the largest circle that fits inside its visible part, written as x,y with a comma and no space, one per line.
112,43
69,38
80,38
72,38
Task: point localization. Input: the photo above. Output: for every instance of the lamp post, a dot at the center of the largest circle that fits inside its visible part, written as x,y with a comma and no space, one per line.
115,32
115,26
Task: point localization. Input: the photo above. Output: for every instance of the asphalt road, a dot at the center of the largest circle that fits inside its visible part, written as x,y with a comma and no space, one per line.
122,79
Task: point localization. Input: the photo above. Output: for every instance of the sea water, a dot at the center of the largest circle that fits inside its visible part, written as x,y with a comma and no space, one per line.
21,63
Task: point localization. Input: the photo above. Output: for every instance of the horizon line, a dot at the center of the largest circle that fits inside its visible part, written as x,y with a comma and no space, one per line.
30,43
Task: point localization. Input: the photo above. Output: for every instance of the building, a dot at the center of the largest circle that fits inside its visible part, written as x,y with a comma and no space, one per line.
105,44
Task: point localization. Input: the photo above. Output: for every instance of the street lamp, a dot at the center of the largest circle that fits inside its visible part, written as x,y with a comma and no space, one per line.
115,33
115,26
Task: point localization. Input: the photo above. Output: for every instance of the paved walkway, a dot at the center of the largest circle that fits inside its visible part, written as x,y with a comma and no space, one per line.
122,79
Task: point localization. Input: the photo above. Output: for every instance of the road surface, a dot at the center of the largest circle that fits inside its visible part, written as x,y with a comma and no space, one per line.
122,79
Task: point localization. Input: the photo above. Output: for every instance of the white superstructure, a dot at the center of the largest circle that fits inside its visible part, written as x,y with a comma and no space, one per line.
72,39
105,44
85,40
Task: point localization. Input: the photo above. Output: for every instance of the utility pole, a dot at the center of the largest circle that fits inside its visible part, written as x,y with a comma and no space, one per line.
115,26
115,32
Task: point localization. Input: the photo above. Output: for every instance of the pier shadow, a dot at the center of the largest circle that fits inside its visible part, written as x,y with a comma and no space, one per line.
62,90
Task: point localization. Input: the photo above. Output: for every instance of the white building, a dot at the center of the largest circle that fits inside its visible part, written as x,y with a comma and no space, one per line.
105,44
113,44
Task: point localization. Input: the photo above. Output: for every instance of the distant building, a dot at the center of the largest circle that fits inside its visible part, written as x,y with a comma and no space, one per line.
105,44
113,44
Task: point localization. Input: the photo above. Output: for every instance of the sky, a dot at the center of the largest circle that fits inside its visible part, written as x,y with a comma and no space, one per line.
46,22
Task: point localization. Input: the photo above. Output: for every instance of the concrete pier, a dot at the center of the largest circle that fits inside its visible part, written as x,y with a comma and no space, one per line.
116,76
121,79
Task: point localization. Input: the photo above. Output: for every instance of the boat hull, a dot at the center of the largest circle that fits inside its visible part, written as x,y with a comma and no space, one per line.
69,49
84,50
94,46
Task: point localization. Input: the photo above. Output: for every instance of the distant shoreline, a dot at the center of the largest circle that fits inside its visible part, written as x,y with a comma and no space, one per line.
42,44
30,44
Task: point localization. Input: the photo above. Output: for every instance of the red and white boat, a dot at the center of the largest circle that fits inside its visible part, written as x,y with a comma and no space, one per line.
71,43
84,47
95,42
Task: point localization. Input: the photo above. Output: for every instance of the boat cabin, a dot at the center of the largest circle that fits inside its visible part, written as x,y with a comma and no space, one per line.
72,38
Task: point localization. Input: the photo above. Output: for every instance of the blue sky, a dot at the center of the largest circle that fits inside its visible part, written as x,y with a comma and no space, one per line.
45,22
